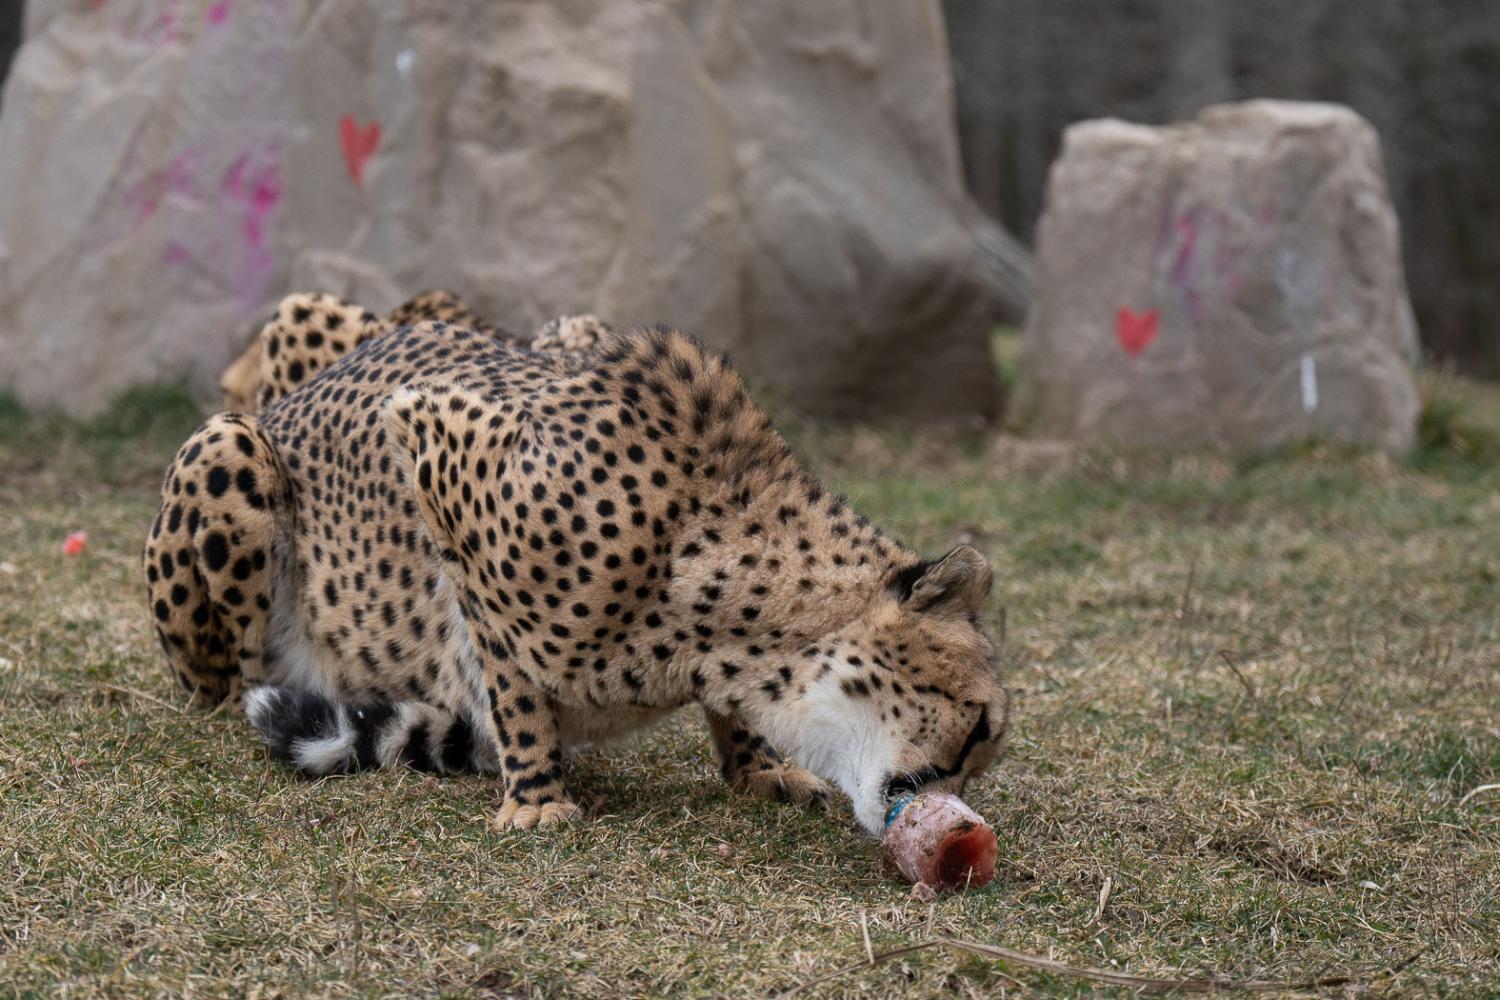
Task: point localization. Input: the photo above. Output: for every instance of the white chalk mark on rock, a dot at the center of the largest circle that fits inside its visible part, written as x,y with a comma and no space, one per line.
1309,384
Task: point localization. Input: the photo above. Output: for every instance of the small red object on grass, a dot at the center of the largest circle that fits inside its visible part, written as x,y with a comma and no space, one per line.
74,543
937,840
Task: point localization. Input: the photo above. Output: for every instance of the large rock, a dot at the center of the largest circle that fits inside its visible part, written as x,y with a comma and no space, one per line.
779,178
1235,281
1426,75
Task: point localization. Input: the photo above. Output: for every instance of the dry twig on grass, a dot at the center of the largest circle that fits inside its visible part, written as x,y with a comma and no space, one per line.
1104,891
1147,984
143,696
1480,790
1239,676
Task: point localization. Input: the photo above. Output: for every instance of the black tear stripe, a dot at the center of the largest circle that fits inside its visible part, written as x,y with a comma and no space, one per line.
979,734
912,782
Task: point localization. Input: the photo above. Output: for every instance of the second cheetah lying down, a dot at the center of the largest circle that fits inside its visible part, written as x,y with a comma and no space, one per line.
311,330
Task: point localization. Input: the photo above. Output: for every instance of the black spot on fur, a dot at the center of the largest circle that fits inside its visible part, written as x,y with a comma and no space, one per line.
215,551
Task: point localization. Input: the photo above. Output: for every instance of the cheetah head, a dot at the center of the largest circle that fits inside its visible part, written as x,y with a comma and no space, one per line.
907,697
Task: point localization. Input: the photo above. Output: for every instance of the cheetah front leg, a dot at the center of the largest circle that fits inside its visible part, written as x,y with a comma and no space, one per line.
750,764
528,739
434,429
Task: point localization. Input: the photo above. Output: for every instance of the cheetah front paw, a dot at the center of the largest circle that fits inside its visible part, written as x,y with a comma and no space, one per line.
518,816
208,699
786,783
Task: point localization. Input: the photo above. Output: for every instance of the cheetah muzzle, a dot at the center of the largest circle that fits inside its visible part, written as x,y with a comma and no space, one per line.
443,552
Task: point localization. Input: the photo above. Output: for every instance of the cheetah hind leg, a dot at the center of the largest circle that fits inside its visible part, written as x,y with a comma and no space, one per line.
208,558
750,764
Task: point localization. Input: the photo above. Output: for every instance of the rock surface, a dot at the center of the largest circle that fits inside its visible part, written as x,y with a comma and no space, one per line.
1235,281
778,178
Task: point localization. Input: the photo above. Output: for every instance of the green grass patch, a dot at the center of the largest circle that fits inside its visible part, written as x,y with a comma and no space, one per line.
1456,423
1005,348
133,438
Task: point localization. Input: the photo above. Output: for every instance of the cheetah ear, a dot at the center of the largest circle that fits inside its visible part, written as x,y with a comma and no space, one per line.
956,584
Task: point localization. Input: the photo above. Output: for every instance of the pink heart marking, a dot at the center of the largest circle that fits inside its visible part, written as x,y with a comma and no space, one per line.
359,145
1136,331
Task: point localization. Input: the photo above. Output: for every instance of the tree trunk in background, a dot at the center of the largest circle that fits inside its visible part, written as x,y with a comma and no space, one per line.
1005,268
1425,72
1198,64
11,15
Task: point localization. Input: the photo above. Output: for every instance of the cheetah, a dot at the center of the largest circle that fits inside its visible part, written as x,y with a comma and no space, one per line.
310,331
445,554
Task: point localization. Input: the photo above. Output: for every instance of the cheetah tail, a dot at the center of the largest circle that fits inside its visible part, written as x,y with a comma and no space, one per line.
317,736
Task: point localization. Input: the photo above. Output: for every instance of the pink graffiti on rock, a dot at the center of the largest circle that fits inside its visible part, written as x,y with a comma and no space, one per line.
254,187
226,231
164,30
250,190
175,177
1205,257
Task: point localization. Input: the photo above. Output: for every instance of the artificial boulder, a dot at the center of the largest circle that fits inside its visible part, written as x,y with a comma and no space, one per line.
779,178
1235,281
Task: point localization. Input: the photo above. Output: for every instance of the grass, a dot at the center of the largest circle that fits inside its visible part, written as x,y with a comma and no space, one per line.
1251,697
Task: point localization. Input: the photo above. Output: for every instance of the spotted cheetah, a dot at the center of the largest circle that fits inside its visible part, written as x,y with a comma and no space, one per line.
311,330
442,553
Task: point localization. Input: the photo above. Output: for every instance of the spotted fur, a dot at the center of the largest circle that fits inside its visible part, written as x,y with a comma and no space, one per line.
443,553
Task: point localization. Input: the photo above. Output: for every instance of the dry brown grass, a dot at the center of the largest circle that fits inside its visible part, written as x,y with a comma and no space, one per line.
1267,765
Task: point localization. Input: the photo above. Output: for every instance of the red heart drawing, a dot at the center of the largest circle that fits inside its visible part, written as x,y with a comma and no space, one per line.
1136,331
359,145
